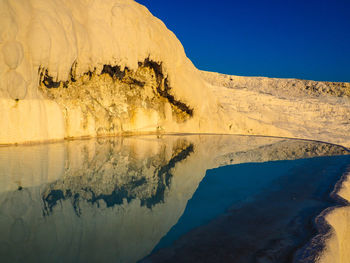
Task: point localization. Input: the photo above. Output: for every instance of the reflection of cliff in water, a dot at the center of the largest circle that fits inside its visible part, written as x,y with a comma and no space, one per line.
144,179
113,199
106,199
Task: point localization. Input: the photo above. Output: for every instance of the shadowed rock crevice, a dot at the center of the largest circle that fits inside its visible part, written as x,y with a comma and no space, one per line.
113,71
164,89
47,80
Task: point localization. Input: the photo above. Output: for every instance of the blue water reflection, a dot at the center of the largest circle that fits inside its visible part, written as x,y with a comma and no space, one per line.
118,199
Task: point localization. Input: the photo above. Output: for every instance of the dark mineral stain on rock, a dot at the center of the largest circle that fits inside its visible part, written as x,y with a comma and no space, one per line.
162,89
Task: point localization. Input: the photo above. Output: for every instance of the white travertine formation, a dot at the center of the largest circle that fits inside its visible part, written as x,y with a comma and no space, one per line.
13,54
54,85
284,107
71,38
93,67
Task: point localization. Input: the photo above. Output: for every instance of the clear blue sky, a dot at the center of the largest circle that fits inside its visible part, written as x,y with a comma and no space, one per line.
307,39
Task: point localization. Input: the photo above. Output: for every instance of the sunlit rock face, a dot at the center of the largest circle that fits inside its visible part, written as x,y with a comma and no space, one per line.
114,198
87,68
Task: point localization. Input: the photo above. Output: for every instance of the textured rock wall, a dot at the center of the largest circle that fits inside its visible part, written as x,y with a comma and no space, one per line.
115,102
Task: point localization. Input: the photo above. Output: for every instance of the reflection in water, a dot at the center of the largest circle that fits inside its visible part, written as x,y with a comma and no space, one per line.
117,177
113,199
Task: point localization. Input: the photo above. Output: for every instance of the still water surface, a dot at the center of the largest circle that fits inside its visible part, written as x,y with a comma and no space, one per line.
204,198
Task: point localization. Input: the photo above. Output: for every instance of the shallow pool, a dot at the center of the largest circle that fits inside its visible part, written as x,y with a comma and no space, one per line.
203,198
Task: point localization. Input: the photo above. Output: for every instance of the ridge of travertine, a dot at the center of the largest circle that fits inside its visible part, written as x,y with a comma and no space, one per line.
283,107
281,87
332,243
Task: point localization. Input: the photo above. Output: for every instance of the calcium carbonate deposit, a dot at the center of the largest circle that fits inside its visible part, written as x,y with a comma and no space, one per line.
74,68
88,68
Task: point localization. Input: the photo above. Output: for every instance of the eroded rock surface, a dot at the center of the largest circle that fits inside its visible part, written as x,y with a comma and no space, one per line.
114,101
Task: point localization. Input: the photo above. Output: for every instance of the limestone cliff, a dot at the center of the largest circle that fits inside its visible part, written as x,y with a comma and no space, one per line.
88,68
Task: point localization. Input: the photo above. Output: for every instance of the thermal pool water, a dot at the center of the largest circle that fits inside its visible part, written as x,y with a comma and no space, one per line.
170,198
